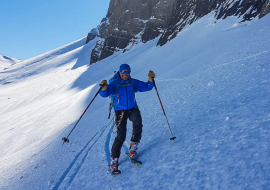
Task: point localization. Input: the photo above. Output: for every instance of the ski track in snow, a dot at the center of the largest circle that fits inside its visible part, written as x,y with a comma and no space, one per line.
74,171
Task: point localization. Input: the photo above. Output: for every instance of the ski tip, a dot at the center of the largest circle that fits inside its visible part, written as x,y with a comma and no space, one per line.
134,160
137,162
115,172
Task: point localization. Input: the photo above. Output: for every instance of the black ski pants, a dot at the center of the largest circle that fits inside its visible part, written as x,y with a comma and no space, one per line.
134,115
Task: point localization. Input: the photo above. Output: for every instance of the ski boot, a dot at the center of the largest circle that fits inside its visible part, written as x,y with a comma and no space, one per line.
133,147
114,166
133,153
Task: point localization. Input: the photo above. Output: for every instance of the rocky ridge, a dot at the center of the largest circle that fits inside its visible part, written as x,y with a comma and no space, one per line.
127,21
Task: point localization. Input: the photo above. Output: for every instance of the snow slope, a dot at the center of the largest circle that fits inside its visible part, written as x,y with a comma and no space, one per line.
6,62
213,80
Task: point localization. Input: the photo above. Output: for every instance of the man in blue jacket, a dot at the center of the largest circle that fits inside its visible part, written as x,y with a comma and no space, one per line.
122,91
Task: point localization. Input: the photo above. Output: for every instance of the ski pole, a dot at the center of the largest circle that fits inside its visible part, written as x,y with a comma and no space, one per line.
172,138
65,139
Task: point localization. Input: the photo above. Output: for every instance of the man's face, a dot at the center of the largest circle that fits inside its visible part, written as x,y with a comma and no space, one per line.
124,74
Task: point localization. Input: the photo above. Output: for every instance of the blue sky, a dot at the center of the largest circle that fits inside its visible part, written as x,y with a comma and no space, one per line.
31,27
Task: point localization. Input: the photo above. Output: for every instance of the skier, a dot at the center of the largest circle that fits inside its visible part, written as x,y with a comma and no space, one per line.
122,91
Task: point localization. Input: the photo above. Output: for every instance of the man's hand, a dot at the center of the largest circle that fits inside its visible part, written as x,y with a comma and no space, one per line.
151,76
103,84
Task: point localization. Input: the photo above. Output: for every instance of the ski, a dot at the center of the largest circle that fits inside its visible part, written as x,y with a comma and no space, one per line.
134,160
115,172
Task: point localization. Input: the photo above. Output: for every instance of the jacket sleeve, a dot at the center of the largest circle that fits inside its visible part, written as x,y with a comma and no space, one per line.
109,91
143,86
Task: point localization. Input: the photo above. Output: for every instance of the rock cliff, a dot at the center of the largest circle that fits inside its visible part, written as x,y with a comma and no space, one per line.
128,21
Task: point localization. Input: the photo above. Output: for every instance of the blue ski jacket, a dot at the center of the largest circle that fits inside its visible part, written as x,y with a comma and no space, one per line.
123,92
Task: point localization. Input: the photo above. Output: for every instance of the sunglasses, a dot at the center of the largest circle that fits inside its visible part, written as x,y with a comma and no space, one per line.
123,72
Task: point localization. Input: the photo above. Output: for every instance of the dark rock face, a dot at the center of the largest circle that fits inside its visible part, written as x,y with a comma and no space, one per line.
189,11
130,21
91,35
248,8
128,18
265,9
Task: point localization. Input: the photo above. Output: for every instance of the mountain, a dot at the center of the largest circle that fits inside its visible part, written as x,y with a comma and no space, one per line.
128,21
6,62
213,80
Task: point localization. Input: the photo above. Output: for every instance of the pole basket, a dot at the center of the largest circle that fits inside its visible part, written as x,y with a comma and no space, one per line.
65,140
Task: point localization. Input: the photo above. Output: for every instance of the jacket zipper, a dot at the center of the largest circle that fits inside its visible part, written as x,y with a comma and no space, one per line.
127,97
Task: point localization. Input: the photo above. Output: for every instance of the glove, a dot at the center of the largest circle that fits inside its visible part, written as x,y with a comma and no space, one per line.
103,84
151,76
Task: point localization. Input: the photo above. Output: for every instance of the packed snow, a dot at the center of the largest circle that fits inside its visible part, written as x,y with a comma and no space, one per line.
213,80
